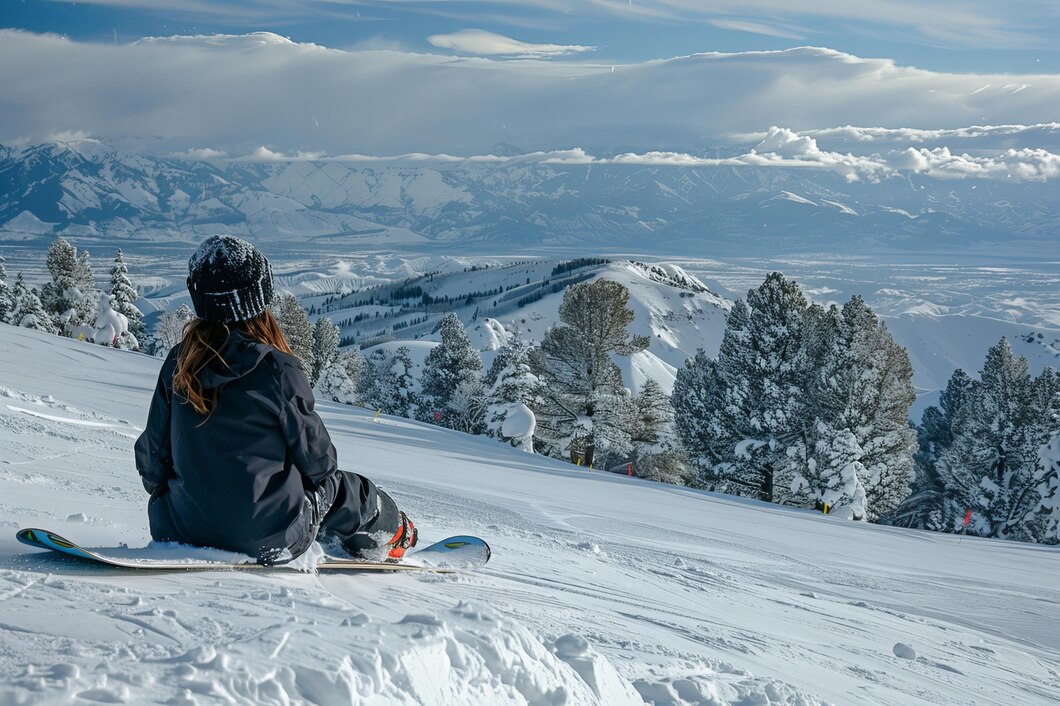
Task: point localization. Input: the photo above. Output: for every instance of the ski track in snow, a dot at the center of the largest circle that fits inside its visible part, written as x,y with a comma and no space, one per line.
602,589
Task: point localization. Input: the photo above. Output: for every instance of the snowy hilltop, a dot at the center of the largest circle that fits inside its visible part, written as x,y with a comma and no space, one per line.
603,589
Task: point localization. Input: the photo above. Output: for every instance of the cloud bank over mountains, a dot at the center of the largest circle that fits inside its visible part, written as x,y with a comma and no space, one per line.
266,95
483,43
779,148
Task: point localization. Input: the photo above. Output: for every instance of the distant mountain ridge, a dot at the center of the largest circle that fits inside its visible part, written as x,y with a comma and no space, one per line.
92,190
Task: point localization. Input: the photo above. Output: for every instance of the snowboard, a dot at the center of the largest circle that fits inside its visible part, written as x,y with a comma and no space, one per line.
450,555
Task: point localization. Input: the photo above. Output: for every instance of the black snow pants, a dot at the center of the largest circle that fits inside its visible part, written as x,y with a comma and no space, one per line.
350,508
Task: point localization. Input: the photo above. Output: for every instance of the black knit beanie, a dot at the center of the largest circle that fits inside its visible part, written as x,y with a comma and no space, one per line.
229,280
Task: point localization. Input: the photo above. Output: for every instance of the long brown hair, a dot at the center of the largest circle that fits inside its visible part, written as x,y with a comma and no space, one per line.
201,345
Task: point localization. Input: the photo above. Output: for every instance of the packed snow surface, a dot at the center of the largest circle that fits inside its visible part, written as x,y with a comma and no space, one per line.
602,589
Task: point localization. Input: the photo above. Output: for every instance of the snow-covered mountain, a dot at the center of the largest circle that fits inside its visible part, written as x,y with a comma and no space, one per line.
602,589
92,190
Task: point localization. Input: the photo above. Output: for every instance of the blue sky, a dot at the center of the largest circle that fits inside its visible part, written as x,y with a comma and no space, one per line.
983,36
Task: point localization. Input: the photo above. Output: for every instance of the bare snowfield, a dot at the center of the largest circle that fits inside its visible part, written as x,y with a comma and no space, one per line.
602,589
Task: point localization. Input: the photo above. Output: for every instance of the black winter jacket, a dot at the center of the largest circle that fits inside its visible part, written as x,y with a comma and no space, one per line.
238,479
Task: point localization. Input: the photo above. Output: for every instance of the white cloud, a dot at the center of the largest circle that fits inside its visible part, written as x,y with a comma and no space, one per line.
69,136
199,153
756,28
483,43
780,148
906,134
786,143
978,138
234,93
264,154
1019,165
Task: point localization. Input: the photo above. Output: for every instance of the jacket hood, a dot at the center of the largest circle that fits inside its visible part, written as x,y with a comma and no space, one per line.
241,356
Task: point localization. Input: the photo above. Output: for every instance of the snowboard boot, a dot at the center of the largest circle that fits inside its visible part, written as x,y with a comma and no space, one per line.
406,536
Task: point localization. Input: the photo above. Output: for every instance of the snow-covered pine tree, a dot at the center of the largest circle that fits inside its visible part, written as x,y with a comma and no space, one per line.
510,384
294,322
453,362
386,382
761,367
169,329
467,406
861,399
655,456
7,302
652,414
927,506
86,295
28,312
834,471
1043,520
406,398
70,298
111,328
369,384
122,297
352,363
612,421
325,348
57,295
340,380
824,456
699,420
992,465
335,384
584,409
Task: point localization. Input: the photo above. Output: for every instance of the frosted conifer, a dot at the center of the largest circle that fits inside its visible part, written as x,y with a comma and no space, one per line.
992,467
386,382
863,387
122,298
448,365
28,312
927,506
509,382
169,329
584,408
7,302
325,348
294,322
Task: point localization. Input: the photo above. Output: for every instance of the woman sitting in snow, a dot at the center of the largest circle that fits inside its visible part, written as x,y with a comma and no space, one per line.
233,454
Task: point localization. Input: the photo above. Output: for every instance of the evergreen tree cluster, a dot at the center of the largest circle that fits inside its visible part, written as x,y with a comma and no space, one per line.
70,304
565,398
990,451
803,406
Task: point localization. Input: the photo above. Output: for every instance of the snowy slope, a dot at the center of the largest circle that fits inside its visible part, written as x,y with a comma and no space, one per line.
602,589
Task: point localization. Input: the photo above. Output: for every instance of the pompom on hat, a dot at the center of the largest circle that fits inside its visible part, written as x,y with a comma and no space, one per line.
229,280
